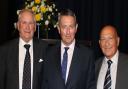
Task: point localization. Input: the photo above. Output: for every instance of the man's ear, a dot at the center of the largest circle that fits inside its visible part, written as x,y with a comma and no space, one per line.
35,27
17,26
99,42
118,41
76,26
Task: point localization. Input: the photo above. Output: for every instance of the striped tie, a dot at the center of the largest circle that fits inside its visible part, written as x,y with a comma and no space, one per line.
108,81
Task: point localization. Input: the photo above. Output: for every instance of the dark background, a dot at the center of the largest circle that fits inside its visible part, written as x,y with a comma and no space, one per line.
91,16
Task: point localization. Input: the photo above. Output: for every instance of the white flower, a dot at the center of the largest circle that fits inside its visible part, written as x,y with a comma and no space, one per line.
32,3
42,18
55,26
47,10
46,22
56,10
52,13
54,5
50,9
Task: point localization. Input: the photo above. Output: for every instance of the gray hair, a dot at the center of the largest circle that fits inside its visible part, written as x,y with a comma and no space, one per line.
66,12
26,10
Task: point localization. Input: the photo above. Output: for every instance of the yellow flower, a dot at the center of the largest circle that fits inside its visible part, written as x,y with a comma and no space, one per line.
38,17
34,8
43,9
37,1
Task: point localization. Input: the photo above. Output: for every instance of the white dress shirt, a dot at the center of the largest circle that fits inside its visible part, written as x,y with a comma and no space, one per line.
70,54
103,70
22,52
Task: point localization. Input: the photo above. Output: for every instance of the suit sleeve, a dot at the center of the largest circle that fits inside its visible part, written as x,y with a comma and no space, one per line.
91,82
2,68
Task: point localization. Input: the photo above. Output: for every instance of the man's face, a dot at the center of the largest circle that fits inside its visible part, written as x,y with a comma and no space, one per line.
26,26
109,41
67,29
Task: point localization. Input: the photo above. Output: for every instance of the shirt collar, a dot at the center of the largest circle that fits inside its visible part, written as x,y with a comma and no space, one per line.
22,42
114,59
71,46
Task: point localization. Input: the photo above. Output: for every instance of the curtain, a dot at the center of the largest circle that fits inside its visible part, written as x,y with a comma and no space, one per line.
91,16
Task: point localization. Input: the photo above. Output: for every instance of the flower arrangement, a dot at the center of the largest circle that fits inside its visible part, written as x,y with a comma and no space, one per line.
45,11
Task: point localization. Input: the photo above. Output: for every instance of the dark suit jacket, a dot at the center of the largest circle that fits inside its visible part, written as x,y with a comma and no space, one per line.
81,74
11,57
122,71
2,69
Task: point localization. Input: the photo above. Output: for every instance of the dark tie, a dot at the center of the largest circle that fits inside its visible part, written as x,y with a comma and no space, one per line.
108,81
64,63
26,84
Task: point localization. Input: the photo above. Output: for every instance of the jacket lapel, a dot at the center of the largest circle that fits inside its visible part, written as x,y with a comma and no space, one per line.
36,64
121,79
118,73
17,63
74,69
56,66
58,62
98,67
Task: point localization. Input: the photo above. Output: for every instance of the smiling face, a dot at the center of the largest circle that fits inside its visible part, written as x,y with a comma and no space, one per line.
67,29
109,41
26,25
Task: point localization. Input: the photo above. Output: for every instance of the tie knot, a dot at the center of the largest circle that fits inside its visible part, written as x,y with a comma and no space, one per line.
66,48
27,46
109,62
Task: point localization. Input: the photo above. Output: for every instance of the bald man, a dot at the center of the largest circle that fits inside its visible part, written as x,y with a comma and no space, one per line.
111,70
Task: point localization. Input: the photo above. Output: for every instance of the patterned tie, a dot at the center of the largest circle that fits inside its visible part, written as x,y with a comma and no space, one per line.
64,63
108,81
26,84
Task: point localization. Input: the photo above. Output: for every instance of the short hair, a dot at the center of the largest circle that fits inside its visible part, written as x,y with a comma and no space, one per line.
67,12
26,10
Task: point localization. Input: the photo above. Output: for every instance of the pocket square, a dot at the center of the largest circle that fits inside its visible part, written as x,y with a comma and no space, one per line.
41,60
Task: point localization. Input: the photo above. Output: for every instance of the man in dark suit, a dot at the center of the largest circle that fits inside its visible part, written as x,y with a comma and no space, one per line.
78,71
111,70
14,55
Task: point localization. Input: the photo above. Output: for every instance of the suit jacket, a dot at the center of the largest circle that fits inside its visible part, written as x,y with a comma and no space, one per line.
2,69
81,74
11,57
122,71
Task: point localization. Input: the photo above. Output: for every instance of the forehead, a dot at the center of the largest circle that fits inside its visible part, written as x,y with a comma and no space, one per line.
26,15
108,31
67,19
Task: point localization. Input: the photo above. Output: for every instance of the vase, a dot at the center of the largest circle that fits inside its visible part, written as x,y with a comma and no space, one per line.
46,33
42,33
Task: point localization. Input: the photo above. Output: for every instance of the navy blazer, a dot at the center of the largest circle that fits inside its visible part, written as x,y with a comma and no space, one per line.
81,74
